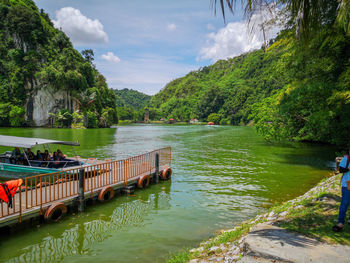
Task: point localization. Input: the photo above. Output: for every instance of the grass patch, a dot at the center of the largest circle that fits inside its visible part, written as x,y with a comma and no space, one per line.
180,257
230,236
316,219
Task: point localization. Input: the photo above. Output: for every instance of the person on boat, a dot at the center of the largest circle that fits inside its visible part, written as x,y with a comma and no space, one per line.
39,158
46,155
16,156
29,157
62,158
46,158
56,160
60,152
345,190
30,154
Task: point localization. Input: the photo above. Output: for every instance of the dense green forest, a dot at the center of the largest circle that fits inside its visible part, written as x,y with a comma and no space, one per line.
295,89
130,104
131,98
35,55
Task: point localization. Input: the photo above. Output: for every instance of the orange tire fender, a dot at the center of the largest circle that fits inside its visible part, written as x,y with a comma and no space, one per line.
42,184
143,181
62,180
106,194
55,212
166,174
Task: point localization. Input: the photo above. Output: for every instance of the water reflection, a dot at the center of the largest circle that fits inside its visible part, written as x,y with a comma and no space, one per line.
83,236
222,175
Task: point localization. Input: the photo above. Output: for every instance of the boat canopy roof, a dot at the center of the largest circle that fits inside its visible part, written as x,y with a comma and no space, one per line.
25,142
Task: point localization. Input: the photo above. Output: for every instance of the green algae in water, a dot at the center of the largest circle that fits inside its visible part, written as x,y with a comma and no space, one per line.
222,175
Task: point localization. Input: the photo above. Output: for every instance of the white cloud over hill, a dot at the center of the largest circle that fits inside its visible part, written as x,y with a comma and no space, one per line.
229,41
238,37
81,29
110,57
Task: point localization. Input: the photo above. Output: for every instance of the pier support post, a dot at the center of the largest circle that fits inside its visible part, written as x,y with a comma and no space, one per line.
81,201
157,169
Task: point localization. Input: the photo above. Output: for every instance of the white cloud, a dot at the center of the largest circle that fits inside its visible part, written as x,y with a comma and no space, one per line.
80,29
229,41
234,39
210,27
171,27
110,57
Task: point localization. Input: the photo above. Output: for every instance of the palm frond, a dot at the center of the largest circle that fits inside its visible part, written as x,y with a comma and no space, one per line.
343,18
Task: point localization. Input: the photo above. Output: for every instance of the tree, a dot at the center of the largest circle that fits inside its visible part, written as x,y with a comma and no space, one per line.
125,113
92,121
64,119
108,118
17,116
211,101
84,99
214,117
88,54
306,15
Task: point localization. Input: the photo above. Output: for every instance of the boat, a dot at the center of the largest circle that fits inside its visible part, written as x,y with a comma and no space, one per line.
22,164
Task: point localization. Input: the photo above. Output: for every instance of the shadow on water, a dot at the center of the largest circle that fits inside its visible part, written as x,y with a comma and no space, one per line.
85,230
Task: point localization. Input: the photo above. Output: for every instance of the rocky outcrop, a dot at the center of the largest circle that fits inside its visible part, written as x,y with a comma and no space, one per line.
45,100
268,243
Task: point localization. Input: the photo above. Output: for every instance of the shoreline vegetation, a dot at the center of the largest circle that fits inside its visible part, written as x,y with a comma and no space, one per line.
311,215
44,81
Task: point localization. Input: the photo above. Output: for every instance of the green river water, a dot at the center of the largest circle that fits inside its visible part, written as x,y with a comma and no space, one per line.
221,175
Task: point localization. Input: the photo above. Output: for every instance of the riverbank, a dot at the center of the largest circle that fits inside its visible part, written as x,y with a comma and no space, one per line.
308,218
211,188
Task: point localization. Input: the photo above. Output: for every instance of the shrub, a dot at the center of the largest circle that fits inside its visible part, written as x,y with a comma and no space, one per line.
214,117
17,116
92,120
78,120
64,119
4,114
108,117
224,121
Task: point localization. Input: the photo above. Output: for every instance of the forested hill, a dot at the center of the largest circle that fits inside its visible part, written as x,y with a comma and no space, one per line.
131,98
298,91
43,79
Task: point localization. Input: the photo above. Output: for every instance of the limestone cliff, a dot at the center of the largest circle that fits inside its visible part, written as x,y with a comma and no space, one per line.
44,101
41,72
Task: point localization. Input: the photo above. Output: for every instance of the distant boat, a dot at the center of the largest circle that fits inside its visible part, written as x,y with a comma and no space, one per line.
21,163
211,123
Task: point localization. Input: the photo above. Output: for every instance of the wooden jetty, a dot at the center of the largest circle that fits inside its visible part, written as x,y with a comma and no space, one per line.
49,195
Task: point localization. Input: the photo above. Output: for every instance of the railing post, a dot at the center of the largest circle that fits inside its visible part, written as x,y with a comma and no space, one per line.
81,202
156,175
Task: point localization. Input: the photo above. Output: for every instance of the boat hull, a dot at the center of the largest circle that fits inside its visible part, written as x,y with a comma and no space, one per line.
25,169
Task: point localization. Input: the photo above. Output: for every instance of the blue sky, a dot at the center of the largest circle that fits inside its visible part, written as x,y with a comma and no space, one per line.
144,44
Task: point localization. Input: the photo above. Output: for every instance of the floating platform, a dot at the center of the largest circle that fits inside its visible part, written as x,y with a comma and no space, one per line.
48,195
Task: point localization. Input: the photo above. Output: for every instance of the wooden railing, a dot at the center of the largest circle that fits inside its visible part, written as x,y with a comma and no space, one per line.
40,190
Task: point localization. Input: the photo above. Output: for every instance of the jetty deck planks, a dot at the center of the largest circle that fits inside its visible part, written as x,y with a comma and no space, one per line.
41,191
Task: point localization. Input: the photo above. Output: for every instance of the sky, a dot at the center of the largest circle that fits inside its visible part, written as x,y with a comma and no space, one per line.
144,44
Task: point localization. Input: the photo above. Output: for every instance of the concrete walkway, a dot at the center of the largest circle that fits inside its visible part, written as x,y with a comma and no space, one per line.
267,243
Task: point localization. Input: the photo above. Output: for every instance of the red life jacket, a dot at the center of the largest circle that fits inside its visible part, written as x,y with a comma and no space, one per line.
8,190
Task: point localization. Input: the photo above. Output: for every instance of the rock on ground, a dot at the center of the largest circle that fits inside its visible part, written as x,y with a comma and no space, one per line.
268,243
